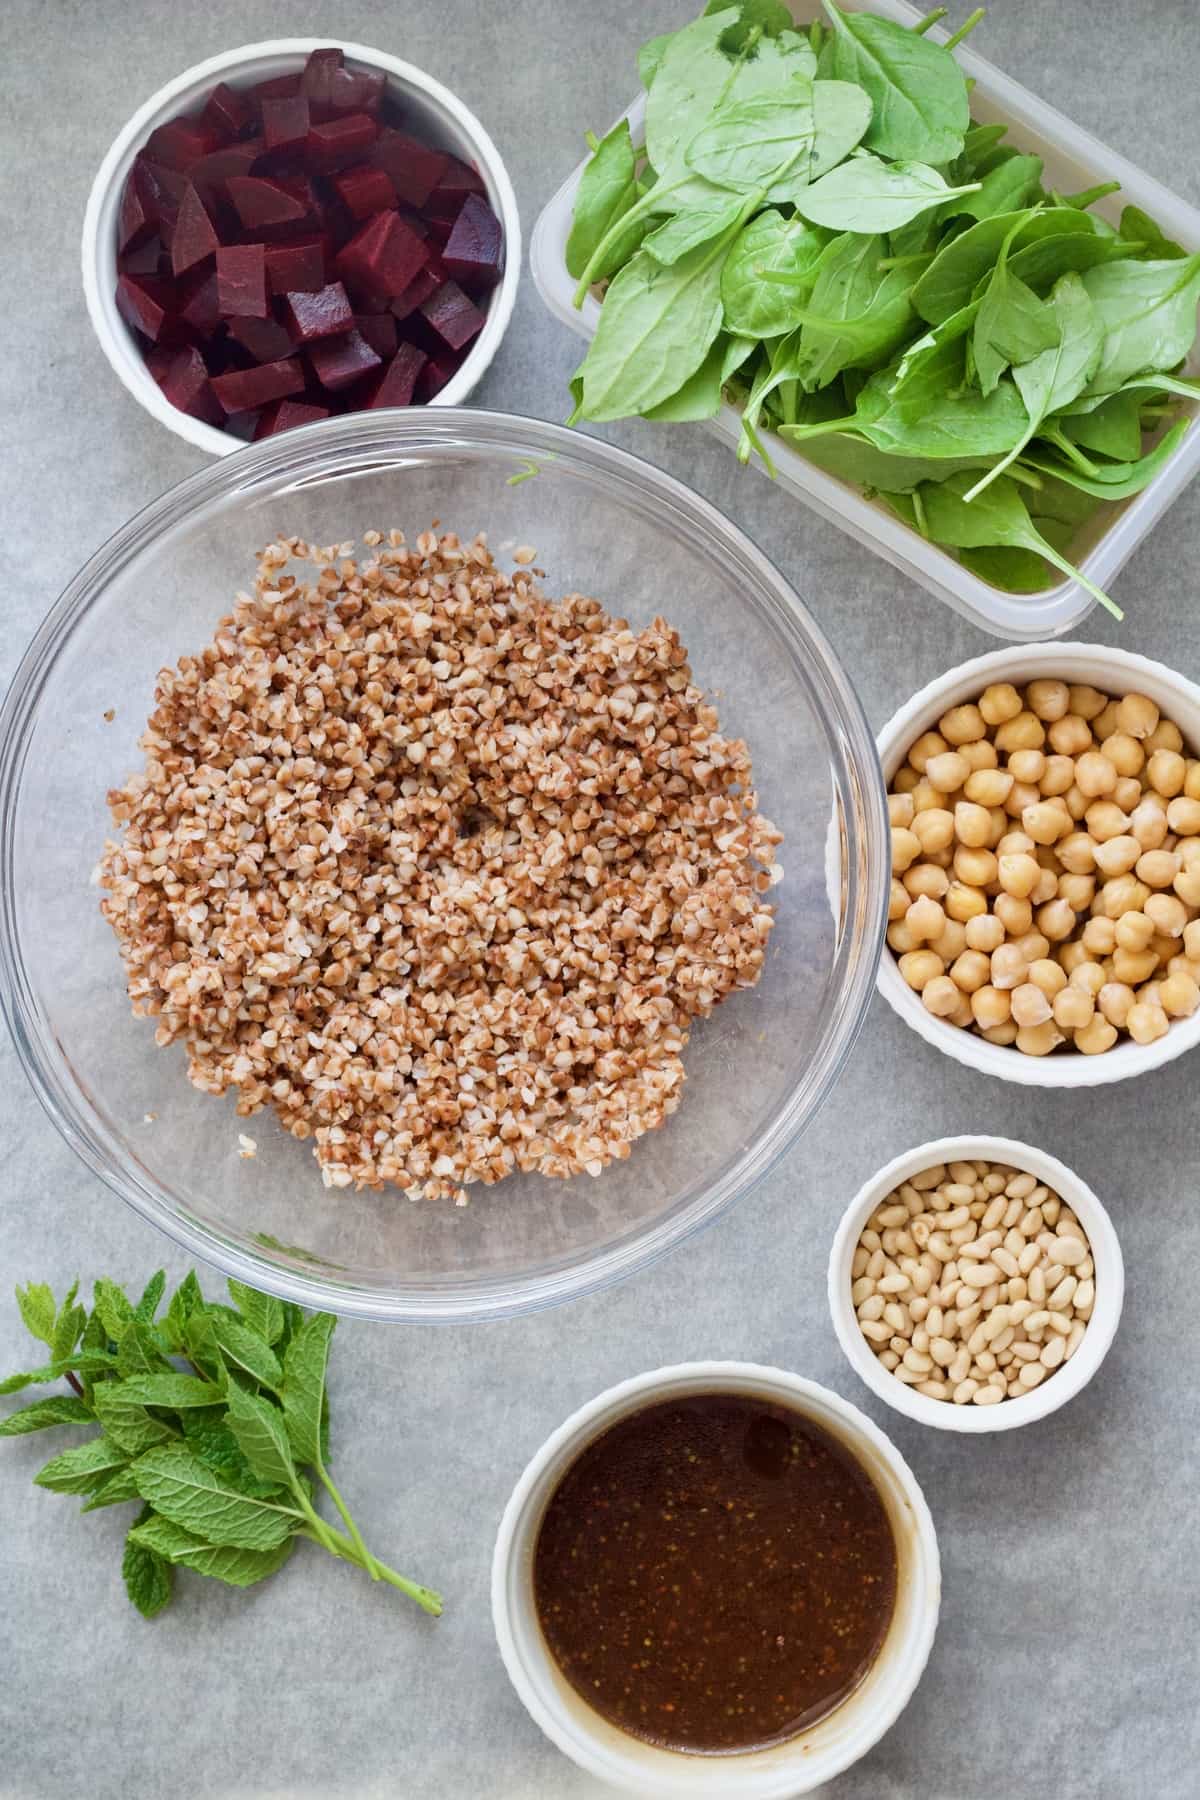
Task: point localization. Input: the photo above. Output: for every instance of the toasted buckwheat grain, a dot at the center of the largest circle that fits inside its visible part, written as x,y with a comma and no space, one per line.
438,868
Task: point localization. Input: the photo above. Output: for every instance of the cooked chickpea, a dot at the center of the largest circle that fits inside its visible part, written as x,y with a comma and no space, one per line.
999,703
925,797
1134,966
905,780
1167,914
1046,821
1188,851
1191,785
1077,853
1095,1038
1165,736
984,932
1027,765
1128,793
971,971
1183,965
1049,698
1009,966
1095,775
952,941
1033,945
1058,777
905,849
1024,732
930,743
963,901
1187,885
1191,939
1073,1009
1147,1022
1048,975
990,1006
1087,701
1071,954
1125,893
1099,936
1005,1034
1114,1000
1105,820
1116,855
988,787
976,867
972,824
1015,913
934,829
1018,874
1056,920
1179,995
1089,977
1077,890
940,996
925,919
925,878
1020,795
900,810
1158,868
1075,802
947,772
1133,931
900,938
1148,822
1166,772
897,900
1124,752
979,755
1106,722
1030,1006
1136,714
1046,886
1070,735
1183,816
962,724
920,967
1039,1040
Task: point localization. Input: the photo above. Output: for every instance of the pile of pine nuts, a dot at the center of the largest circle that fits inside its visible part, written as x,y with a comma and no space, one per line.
1046,869
972,1283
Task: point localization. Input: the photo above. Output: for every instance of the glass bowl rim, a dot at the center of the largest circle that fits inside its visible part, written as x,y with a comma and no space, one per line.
326,450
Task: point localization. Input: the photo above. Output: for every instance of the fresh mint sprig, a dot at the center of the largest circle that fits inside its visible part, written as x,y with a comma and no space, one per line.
214,1418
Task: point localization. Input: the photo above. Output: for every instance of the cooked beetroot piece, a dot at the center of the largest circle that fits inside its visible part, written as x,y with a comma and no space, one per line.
435,374
194,236
296,268
135,223
201,310
337,362
265,339
144,304
282,415
180,143
357,90
279,87
365,191
285,124
263,200
383,257
438,232
242,281
415,169
160,190
313,316
148,259
185,384
226,111
473,250
336,143
454,316
244,390
212,171
400,378
158,361
317,78
379,329
425,282
461,179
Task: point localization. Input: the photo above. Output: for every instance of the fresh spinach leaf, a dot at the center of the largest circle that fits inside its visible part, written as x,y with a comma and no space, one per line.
1148,311
920,111
1011,186
1012,324
752,143
1112,429
964,261
700,395
1147,235
866,194
607,190
841,114
689,229
1115,481
770,244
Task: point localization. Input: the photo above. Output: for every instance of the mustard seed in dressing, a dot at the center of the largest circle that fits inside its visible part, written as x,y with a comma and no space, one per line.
715,1573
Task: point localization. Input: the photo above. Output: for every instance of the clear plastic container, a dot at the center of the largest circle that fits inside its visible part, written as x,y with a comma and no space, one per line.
1074,160
601,521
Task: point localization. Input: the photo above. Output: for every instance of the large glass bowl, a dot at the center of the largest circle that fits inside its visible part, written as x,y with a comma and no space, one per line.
602,522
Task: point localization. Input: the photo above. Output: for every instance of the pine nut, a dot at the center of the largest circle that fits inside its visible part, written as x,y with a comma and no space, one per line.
917,1361
1031,1374
988,1396
981,1275
1063,1294
862,1289
936,1390
965,1390
1037,1285
1075,1337
1069,1251
1085,1299
1052,1353
878,1334
893,1284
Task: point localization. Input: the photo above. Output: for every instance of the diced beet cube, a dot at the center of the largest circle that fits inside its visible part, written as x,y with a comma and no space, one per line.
400,377
160,190
384,256
194,236
265,339
425,282
285,124
145,260
336,143
282,415
144,304
135,225
296,268
438,232
263,200
357,90
313,316
242,281
158,361
226,111
473,251
364,190
186,385
244,390
459,179
180,143
317,78
379,329
435,374
415,169
201,311
336,362
279,87
212,171
454,316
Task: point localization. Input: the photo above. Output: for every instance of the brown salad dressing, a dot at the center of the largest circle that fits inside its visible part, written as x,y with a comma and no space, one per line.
715,1573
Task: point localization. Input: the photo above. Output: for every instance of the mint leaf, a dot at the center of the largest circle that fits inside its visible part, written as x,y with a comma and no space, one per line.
178,1485
263,1313
80,1470
68,1325
209,1438
138,1351
115,1489
112,1304
240,1568
243,1347
125,1420
303,1389
169,1389
262,1436
38,1311
148,1576
61,1409
186,1300
83,1362
152,1293
199,1340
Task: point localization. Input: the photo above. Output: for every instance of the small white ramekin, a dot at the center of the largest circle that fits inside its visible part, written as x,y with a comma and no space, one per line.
1113,672
1070,1377
434,110
785,1769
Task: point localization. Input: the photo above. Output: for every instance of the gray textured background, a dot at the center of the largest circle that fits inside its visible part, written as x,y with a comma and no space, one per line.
1067,1658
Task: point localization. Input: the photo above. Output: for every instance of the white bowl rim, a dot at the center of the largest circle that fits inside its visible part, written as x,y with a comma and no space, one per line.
787,1389
1110,1285
1121,670
99,263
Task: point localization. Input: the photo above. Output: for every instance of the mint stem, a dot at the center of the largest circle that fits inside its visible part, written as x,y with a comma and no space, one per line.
75,1383
340,1546
369,1562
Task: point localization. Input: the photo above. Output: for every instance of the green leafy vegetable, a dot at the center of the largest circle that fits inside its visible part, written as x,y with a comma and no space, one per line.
607,190
1116,481
867,194
1140,230
917,90
225,1456
1012,324
1148,311
689,229
751,144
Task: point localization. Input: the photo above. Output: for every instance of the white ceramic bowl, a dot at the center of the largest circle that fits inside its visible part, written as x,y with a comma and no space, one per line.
436,114
783,1770
1070,1377
1114,672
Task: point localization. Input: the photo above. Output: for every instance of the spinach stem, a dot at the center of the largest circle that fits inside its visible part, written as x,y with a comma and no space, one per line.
1056,436
931,18
968,25
1060,562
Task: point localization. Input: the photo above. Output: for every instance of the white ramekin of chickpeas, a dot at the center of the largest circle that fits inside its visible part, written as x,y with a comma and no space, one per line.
1044,918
